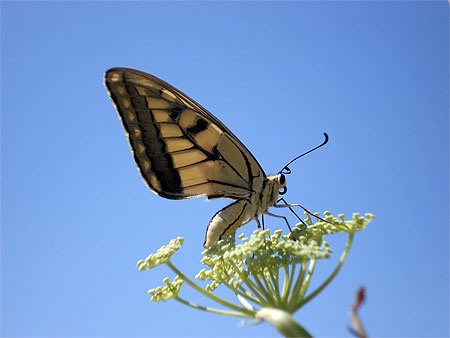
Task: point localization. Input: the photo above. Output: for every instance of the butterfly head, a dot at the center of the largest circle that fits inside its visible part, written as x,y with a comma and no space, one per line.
276,185
281,183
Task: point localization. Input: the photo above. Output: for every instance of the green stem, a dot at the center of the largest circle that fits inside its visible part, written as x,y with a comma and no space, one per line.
267,282
307,280
283,322
335,272
291,283
247,281
286,284
209,294
212,310
269,299
270,288
294,295
276,286
242,292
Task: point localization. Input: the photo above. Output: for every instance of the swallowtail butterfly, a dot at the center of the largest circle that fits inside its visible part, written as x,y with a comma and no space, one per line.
183,151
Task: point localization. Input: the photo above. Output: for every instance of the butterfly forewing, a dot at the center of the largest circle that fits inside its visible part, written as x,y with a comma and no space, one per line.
180,148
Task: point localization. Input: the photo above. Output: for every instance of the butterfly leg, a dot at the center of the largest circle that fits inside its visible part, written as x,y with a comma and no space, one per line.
278,216
287,205
257,222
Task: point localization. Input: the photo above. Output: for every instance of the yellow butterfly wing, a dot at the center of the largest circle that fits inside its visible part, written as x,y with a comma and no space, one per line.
181,149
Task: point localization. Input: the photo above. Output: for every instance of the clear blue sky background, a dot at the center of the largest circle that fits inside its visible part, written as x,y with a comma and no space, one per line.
76,215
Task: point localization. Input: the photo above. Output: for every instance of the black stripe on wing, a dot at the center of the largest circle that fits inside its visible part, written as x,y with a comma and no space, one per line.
142,125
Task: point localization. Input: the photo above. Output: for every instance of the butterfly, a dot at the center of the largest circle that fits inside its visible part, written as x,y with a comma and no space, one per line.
183,151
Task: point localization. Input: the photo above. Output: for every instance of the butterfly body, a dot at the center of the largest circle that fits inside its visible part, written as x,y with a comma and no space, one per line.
244,210
183,151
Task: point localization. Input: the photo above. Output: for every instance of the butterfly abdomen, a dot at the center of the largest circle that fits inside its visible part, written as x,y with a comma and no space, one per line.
227,220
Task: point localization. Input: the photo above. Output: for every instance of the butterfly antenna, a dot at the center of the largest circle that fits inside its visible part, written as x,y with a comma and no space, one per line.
286,169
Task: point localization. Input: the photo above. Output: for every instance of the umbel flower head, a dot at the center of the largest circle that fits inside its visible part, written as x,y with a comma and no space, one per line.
269,273
162,255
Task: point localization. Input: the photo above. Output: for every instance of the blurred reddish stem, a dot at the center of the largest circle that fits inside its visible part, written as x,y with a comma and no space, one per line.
355,322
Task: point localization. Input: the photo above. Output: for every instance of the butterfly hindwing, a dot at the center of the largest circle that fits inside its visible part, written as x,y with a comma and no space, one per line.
180,148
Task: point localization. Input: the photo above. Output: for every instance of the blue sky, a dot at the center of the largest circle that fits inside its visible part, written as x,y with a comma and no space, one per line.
76,216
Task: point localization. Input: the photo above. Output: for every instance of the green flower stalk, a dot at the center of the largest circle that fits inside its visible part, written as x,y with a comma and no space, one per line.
269,273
